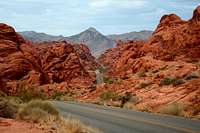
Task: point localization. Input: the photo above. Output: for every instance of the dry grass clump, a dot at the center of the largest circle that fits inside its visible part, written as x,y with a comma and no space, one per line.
74,126
29,92
8,107
43,112
129,105
109,95
173,109
37,111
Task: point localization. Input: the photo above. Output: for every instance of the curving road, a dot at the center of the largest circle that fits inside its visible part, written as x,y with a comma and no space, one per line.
115,120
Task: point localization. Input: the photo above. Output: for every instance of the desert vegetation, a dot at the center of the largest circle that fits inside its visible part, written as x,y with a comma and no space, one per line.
173,109
42,112
171,81
109,95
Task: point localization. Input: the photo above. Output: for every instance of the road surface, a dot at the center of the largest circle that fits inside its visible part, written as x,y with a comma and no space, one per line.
116,120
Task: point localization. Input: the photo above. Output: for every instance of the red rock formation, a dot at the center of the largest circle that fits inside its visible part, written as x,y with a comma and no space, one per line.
46,63
85,57
175,38
172,51
82,51
62,63
17,58
122,58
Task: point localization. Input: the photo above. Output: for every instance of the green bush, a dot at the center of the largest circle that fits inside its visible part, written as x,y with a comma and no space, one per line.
36,111
108,95
8,108
171,80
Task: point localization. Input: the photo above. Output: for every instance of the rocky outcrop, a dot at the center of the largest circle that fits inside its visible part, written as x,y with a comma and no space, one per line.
82,51
61,62
85,57
122,58
43,63
175,38
17,58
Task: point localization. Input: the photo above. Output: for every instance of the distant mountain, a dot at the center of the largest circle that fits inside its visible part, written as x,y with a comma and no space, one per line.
142,35
97,42
39,37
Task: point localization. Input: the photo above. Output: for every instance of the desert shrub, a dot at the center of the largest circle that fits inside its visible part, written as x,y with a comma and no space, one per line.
124,99
74,126
67,98
15,100
192,75
145,109
167,81
57,95
129,105
196,109
172,109
127,96
2,94
109,80
8,108
171,80
29,92
37,111
178,82
141,74
108,95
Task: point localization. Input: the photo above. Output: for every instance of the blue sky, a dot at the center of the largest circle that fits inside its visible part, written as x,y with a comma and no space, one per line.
68,17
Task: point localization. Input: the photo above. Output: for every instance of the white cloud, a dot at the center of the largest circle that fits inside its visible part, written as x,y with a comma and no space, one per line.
135,4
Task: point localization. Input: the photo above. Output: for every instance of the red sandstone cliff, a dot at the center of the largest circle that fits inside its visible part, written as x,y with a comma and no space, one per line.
175,38
53,62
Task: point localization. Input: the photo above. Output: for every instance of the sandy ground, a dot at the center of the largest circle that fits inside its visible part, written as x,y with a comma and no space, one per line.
16,126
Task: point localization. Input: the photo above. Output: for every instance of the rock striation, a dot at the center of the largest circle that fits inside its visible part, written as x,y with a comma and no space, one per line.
42,63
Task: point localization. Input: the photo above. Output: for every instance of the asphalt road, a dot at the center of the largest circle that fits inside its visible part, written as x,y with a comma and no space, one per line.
116,120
